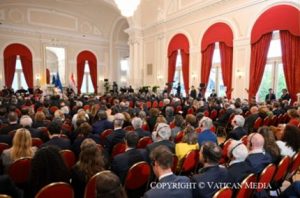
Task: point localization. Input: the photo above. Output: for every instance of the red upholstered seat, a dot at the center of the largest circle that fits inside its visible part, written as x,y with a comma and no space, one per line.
258,123
280,173
37,142
224,158
57,190
244,139
137,176
266,177
3,146
245,191
160,104
118,149
129,128
213,114
294,166
179,137
69,158
223,193
190,162
155,104
175,162
19,170
105,133
90,188
143,142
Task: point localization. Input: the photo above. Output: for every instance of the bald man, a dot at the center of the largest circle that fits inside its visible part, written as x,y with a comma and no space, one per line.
257,158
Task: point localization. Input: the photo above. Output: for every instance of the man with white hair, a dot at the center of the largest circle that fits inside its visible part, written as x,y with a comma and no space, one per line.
206,134
238,128
161,137
26,122
118,134
238,168
137,124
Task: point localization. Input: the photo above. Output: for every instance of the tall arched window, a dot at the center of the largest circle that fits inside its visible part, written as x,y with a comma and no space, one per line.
216,62
262,55
178,76
179,47
86,69
87,85
273,76
19,78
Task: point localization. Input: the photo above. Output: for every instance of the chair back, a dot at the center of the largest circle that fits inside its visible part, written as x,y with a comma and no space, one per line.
129,128
175,162
118,149
19,170
244,139
266,177
155,104
223,193
57,190
245,191
105,133
90,187
69,158
3,146
206,113
190,162
190,110
148,104
179,137
294,165
172,124
282,169
267,121
160,104
213,114
143,142
138,175
37,142
257,123
224,158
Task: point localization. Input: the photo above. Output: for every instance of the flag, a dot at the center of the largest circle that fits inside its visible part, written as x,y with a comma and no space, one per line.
72,83
58,83
53,80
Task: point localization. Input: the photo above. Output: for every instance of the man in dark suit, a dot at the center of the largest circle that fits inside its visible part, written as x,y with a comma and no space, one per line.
162,161
193,92
250,120
118,134
285,95
270,96
102,124
55,137
122,162
211,173
13,124
137,124
257,158
238,131
238,168
161,137
26,122
222,121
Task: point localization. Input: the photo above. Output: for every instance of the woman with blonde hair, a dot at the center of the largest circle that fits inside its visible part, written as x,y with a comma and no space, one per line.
21,147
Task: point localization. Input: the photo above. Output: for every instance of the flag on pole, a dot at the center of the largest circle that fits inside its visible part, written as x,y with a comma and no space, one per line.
58,82
72,83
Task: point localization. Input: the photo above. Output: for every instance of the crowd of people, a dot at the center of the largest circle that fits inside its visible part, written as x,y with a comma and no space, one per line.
76,123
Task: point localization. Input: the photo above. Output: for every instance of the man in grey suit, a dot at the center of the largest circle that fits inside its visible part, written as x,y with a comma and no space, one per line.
168,185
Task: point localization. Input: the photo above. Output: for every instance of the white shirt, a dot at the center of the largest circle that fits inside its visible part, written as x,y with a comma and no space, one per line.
285,150
164,175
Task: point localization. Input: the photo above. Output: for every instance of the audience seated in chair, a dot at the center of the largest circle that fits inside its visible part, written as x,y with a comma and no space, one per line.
250,120
102,124
137,124
122,162
7,187
206,134
290,141
108,185
238,168
21,147
211,173
257,159
162,162
90,162
238,128
47,167
161,137
12,124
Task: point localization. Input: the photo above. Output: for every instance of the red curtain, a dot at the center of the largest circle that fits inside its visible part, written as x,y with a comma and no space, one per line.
27,70
93,73
226,64
206,63
172,66
80,72
185,70
9,69
259,52
290,46
47,76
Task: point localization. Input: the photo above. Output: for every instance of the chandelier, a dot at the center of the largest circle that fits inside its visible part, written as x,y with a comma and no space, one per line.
127,7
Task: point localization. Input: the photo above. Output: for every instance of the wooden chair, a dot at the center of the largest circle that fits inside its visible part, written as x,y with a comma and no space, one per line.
280,173
245,191
90,188
223,193
293,167
57,190
138,176
266,177
69,158
19,170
